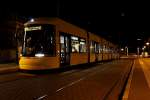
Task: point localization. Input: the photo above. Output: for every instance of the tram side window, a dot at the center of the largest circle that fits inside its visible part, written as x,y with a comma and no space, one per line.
75,44
49,40
104,49
97,48
82,45
92,47
100,48
111,50
107,50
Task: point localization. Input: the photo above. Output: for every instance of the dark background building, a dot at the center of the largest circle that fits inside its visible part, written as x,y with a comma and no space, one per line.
11,38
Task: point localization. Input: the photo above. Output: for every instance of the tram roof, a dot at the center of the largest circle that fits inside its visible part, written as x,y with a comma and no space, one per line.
52,20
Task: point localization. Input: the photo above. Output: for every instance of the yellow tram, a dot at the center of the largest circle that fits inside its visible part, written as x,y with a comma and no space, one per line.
52,43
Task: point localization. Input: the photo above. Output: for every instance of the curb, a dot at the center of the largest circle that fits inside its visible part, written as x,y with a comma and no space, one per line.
8,70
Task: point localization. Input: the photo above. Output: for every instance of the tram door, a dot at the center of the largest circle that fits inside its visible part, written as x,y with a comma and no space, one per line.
64,50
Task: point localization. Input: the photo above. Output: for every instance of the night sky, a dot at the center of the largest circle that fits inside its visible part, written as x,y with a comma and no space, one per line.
120,22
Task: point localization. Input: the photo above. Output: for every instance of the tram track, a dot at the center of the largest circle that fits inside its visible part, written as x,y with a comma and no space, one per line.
55,83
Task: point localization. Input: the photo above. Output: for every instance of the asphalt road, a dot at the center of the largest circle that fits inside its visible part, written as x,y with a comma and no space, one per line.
103,81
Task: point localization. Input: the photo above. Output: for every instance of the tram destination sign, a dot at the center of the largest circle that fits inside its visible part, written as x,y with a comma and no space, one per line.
33,28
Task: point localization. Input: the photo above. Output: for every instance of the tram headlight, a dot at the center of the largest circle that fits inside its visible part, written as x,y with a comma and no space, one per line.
39,55
20,55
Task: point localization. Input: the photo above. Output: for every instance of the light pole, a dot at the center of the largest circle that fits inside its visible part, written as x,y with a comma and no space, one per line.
126,48
16,38
138,48
138,51
58,8
147,43
143,54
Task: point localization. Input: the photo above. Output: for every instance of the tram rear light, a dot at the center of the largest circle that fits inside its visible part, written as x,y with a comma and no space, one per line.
39,55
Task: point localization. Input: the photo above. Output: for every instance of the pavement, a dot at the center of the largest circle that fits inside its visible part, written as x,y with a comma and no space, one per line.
138,86
8,68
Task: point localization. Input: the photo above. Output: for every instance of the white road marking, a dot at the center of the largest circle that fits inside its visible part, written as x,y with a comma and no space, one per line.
127,89
72,83
41,98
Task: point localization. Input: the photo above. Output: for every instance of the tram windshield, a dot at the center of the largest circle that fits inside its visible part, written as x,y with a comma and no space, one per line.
39,40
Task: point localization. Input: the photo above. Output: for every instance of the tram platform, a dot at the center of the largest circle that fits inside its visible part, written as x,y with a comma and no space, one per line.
8,68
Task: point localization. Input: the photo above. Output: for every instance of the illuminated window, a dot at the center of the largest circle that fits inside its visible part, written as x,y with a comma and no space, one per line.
97,48
111,50
82,45
107,49
39,39
75,44
62,44
104,49
92,47
33,28
61,39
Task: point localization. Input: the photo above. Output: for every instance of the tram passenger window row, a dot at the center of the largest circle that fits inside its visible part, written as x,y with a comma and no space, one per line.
78,44
82,45
75,44
95,47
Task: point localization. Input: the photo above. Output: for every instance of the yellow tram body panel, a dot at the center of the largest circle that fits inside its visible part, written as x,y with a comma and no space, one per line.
100,57
77,58
105,56
92,57
35,63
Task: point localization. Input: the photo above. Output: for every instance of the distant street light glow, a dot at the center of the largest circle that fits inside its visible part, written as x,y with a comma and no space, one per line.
147,43
32,20
143,48
138,39
122,49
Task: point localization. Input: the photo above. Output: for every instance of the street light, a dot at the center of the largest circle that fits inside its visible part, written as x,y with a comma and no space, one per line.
139,39
122,49
147,43
32,20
